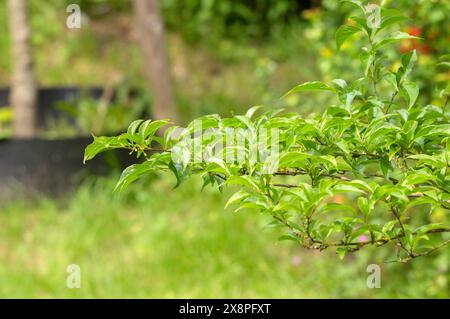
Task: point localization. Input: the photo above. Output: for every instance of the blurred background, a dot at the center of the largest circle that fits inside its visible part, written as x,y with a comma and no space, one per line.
212,56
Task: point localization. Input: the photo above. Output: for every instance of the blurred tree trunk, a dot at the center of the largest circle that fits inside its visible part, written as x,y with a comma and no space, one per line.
23,87
150,28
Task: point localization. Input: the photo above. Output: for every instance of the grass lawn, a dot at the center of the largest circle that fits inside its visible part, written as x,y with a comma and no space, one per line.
157,243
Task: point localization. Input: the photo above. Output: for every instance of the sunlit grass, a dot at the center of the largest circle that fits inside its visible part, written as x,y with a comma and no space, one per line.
158,243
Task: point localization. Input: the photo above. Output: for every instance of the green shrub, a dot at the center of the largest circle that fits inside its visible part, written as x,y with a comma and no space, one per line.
366,172
427,19
214,19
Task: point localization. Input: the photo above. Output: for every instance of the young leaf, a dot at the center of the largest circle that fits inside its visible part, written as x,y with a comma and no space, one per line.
341,251
180,174
252,111
133,127
408,61
394,37
363,205
132,173
343,33
237,197
149,128
410,91
385,165
310,86
356,3
289,237
390,20
102,144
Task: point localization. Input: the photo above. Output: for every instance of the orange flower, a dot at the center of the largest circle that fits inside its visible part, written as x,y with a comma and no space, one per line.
338,199
414,31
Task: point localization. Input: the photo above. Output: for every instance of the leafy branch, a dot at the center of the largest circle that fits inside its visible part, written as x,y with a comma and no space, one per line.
365,172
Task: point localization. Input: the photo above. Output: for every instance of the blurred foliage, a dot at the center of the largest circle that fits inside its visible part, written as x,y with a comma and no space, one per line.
102,8
427,19
115,109
84,115
211,19
216,19
216,73
6,116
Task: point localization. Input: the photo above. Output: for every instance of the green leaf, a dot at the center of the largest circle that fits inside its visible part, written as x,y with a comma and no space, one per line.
445,64
361,22
385,165
333,207
391,78
345,187
343,33
169,135
389,226
289,237
132,173
149,128
310,86
237,197
356,4
367,58
341,251
257,201
410,91
434,161
430,227
273,224
243,180
418,178
219,164
340,83
380,130
293,159
253,110
133,127
363,205
355,186
389,20
180,173
102,144
245,120
408,61
394,37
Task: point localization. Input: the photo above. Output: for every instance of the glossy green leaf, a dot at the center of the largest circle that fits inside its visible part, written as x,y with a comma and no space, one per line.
310,86
345,32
